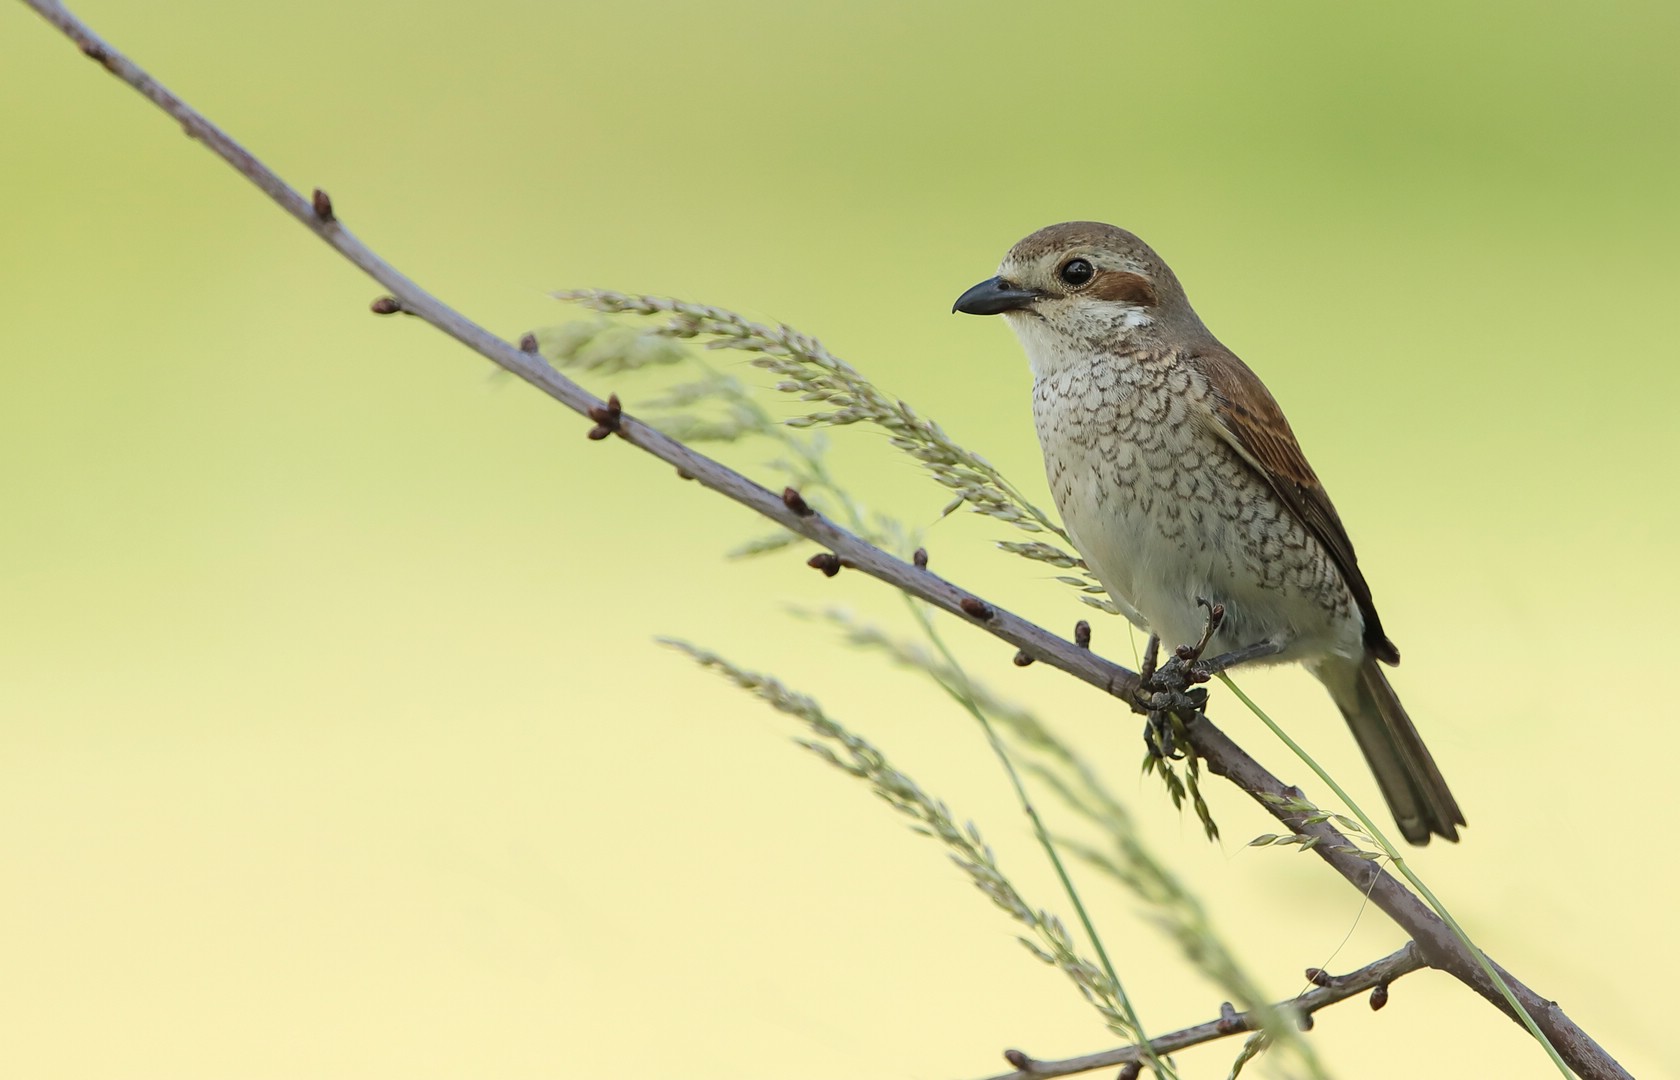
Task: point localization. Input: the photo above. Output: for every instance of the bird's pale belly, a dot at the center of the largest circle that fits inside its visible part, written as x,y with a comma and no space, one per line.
1163,513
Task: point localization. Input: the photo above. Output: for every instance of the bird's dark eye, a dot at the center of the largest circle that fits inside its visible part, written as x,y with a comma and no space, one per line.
1077,272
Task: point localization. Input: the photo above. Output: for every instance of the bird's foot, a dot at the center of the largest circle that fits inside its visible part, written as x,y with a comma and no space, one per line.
1168,687
1162,706
1165,697
1169,691
1172,688
1174,685
1215,619
1160,735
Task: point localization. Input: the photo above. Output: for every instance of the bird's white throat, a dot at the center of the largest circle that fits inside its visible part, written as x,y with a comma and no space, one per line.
1050,349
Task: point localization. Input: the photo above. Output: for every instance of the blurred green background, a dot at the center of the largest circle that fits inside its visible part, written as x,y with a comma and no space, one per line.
334,740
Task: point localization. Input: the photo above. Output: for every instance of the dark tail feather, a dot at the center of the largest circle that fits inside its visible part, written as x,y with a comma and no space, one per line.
1416,792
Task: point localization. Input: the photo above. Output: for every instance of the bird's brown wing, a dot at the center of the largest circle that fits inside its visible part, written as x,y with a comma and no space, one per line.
1245,415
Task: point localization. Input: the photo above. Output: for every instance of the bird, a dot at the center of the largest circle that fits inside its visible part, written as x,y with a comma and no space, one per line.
1183,488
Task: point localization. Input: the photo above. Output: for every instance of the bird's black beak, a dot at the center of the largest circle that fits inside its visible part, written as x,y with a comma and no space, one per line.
993,297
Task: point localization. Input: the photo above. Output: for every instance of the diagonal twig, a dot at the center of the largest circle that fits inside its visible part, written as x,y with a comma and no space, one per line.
1435,941
1330,989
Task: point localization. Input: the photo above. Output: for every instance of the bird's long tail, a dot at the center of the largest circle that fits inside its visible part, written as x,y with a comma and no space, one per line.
1411,782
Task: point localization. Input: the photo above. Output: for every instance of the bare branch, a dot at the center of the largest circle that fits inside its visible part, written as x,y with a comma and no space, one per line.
1437,944
1330,989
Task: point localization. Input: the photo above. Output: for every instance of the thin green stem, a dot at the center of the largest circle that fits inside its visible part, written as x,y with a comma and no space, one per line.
963,698
955,689
1406,871
819,470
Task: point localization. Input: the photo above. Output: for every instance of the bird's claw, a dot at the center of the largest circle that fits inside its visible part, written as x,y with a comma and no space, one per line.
1173,689
1173,686
1164,708
1159,738
1161,732
1215,618
1175,677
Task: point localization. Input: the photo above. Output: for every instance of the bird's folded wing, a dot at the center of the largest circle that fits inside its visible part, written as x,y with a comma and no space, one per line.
1244,414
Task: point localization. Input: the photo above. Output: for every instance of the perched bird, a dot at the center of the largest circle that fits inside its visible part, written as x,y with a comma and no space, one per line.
1182,486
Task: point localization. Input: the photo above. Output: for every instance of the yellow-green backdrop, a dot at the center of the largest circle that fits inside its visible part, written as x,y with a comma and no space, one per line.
333,739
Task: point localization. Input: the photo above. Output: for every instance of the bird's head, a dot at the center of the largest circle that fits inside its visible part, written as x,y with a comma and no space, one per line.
1082,288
